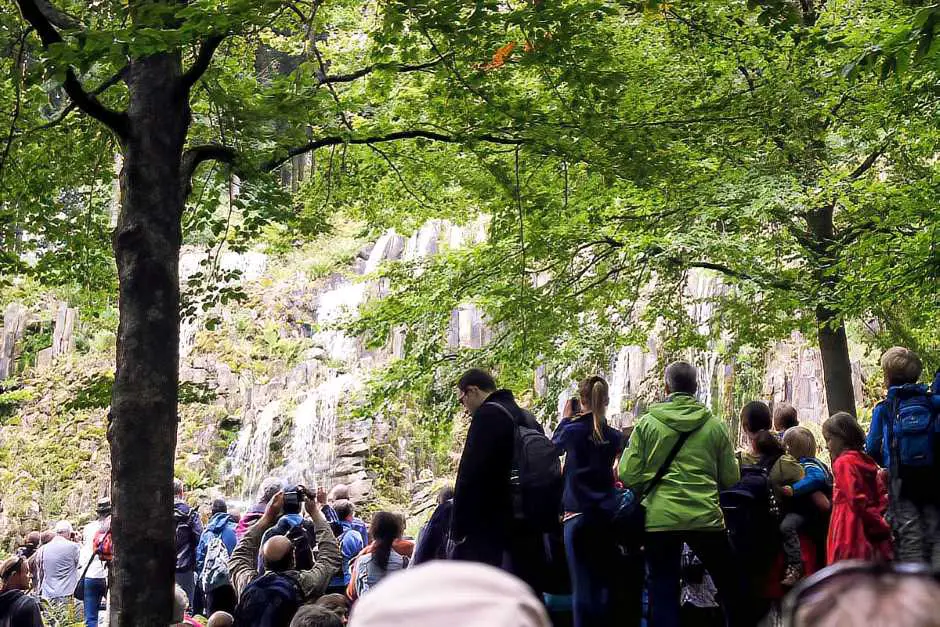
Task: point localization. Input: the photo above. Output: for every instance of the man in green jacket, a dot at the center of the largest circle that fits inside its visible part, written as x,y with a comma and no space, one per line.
683,507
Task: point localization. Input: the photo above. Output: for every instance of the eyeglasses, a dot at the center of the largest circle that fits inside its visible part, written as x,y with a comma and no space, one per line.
814,586
13,568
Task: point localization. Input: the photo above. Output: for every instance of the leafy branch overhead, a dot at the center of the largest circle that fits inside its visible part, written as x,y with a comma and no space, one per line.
616,152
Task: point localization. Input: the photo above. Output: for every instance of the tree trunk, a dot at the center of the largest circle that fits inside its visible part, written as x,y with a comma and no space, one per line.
833,344
142,430
837,367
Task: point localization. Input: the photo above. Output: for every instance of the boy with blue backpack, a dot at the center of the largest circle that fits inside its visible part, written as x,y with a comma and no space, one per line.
904,438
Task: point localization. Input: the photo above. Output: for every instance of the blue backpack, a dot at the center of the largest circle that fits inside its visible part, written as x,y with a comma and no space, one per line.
914,431
271,600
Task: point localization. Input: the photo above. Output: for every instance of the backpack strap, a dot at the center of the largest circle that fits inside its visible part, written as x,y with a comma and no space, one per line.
505,411
893,445
683,436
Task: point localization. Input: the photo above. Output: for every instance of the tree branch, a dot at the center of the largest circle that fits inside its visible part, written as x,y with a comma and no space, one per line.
71,106
203,59
739,274
205,152
413,134
225,154
869,161
400,68
37,14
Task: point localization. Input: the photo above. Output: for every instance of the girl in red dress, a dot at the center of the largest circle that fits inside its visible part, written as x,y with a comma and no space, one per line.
858,529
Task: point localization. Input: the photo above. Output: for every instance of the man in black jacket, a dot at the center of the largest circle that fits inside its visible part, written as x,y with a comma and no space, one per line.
17,609
483,528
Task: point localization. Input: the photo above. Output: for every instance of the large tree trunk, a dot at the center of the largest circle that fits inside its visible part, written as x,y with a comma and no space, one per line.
837,367
142,431
833,344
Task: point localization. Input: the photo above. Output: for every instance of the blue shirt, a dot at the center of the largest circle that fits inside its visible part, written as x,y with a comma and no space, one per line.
816,478
220,525
351,544
588,473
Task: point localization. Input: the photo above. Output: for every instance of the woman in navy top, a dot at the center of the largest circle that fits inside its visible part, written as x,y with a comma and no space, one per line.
591,448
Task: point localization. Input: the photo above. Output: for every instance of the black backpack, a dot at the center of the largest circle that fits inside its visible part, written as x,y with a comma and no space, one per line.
303,538
752,515
536,477
271,600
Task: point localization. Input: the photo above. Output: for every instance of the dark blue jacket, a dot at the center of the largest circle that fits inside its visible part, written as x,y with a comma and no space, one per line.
588,473
188,533
432,541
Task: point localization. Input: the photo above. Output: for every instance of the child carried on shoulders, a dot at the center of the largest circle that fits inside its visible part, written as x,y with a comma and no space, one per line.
808,501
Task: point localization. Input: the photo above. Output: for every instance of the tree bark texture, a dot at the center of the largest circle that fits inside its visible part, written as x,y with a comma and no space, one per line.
837,367
143,425
830,328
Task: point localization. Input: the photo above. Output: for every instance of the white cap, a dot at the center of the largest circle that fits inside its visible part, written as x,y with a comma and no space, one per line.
63,527
456,594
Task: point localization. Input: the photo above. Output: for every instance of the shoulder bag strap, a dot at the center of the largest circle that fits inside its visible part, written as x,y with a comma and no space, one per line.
666,464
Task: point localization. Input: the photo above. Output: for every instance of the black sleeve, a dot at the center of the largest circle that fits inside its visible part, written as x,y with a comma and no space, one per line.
27,613
484,469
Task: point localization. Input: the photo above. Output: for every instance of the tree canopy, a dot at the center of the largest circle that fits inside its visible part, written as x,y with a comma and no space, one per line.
790,147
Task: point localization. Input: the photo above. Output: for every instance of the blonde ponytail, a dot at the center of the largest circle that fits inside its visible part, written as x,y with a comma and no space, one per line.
594,391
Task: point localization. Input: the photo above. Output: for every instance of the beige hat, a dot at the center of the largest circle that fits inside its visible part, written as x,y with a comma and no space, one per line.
455,594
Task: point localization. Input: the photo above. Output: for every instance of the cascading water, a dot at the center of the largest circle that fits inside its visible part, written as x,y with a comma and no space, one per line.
291,426
311,449
296,437
252,449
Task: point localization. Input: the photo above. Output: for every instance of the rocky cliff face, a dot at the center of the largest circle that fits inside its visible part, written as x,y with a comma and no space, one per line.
271,389
268,391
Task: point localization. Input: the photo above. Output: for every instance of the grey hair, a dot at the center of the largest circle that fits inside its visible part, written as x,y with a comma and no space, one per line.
315,616
180,603
269,487
177,487
220,619
681,377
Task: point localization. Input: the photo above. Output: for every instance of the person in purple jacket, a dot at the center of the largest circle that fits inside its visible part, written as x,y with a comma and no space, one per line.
269,487
591,448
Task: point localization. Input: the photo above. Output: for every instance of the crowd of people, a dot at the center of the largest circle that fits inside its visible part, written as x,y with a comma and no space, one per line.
663,523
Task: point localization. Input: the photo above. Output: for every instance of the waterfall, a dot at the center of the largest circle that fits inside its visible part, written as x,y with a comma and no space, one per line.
301,444
311,450
333,306
249,459
634,367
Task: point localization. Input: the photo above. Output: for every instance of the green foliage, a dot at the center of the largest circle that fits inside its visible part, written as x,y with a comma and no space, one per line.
621,151
11,399
94,393
193,480
190,392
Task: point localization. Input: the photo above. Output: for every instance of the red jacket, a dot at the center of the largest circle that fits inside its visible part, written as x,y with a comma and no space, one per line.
858,529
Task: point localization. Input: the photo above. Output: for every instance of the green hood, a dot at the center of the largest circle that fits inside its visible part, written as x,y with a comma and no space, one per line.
686,499
680,412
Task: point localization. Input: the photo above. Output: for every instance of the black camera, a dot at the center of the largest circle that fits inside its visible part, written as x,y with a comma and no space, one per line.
293,499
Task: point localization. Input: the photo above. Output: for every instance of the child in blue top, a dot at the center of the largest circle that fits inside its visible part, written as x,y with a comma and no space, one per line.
808,501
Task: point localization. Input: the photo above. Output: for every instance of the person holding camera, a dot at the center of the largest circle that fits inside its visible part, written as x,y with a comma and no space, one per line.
273,597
